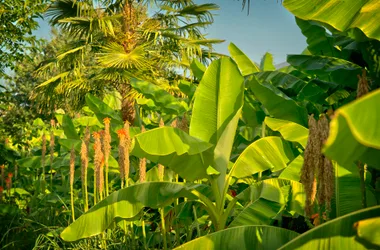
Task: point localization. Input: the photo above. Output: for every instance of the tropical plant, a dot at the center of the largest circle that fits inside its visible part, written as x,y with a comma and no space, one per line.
117,41
271,158
208,147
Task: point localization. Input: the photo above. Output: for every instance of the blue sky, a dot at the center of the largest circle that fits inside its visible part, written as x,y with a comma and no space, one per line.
268,28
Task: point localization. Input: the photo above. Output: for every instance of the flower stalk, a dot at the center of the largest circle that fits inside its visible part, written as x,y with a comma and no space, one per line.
43,155
84,167
99,163
142,164
52,144
107,149
161,168
72,172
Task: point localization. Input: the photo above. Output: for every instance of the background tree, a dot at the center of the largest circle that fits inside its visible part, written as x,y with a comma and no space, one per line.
17,21
114,41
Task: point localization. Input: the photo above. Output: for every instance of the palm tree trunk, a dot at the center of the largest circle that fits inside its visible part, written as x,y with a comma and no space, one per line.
127,106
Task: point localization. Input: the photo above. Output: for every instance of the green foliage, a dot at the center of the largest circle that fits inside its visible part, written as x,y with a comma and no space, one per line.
245,237
18,21
161,98
354,127
266,63
368,230
268,199
106,51
125,204
175,149
229,178
269,153
246,66
342,16
329,68
277,103
289,130
339,233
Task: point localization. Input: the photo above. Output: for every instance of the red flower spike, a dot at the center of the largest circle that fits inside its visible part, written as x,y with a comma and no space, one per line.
107,120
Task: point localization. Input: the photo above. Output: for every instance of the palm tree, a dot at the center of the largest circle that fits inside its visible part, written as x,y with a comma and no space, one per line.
112,41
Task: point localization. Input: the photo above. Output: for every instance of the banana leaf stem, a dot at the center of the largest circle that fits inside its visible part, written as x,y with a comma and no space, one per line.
162,213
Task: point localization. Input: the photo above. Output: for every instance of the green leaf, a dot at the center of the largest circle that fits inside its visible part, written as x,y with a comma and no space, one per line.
282,80
187,88
38,122
9,210
68,127
342,15
20,191
266,153
319,42
198,69
87,121
277,103
266,199
335,234
246,66
313,93
337,96
266,63
102,110
293,170
126,204
354,132
216,110
148,104
369,230
289,130
348,195
245,237
30,162
166,101
269,190
252,114
70,143
337,70
113,100
173,148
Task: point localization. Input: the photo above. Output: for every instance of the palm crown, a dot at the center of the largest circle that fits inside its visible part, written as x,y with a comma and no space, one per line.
111,42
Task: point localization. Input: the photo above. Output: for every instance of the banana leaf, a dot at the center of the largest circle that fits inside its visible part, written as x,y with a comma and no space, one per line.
289,130
339,233
125,204
341,15
266,199
277,103
354,132
242,238
216,111
246,66
173,148
266,153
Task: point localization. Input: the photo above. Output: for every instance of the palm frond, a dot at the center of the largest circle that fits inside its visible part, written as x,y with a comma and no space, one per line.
201,11
114,55
63,9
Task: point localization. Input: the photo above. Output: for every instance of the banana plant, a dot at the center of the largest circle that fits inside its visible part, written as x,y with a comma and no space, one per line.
202,158
347,232
347,180
342,16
